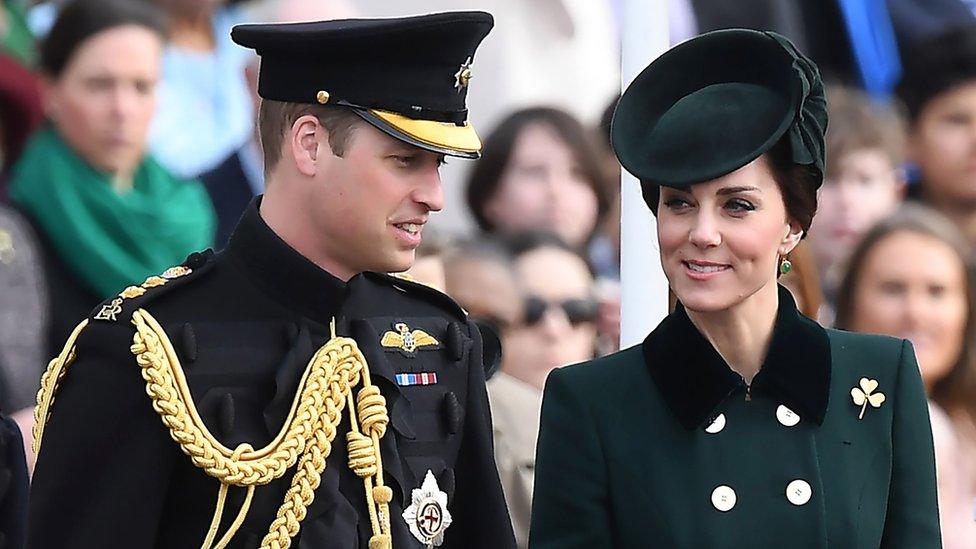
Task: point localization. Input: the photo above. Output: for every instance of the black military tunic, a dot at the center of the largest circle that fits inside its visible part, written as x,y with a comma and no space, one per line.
244,324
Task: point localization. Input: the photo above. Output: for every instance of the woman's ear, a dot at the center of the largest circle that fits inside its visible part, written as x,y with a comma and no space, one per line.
792,238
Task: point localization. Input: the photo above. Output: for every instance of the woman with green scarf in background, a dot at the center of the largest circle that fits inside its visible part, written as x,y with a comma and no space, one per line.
107,214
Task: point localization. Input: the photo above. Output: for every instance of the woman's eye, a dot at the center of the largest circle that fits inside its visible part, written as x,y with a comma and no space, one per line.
676,203
739,205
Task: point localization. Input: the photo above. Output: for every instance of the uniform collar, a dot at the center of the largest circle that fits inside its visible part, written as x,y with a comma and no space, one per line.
280,271
694,379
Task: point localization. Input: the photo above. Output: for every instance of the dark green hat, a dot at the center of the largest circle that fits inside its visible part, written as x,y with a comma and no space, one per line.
713,104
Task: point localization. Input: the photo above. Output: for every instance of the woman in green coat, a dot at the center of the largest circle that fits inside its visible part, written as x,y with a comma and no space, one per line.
738,422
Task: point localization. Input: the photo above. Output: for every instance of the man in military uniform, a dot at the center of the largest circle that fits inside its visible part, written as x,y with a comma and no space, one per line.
281,392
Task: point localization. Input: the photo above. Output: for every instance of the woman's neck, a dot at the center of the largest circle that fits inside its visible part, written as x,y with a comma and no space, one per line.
741,334
193,30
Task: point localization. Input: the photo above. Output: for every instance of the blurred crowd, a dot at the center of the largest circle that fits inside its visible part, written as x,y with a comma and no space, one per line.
127,140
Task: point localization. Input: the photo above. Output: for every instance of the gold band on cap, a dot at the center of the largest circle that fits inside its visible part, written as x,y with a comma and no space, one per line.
446,135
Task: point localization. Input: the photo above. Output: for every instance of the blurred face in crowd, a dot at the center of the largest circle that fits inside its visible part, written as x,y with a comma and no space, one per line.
487,290
559,326
943,144
865,189
913,286
103,101
544,187
362,211
720,240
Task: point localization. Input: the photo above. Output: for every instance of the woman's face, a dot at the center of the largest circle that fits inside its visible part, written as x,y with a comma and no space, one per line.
720,240
544,187
913,286
559,322
103,101
943,144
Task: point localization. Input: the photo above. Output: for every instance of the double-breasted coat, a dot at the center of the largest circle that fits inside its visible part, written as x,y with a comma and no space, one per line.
663,445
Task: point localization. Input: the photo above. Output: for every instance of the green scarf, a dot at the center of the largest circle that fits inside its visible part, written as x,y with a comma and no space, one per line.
110,239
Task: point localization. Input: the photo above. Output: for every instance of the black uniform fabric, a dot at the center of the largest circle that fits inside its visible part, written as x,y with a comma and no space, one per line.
13,486
245,324
404,65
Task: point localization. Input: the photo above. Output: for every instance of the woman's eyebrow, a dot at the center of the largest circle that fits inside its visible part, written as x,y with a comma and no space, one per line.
733,190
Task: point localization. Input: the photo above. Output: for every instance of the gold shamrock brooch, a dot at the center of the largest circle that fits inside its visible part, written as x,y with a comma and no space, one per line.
865,394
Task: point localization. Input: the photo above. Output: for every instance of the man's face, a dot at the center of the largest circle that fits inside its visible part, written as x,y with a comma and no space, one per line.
371,204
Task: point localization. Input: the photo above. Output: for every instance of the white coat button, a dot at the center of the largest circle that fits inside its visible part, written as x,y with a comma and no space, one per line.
798,492
717,425
787,417
723,498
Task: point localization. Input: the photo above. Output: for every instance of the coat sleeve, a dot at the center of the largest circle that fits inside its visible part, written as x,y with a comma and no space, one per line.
480,516
912,520
571,505
105,458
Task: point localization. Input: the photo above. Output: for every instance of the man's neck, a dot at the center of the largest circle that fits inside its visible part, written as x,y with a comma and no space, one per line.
283,220
960,212
741,334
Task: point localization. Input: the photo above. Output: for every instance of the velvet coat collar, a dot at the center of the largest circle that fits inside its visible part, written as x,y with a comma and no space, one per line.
694,379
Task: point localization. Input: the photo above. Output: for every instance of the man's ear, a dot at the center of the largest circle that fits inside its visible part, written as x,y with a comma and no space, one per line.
305,140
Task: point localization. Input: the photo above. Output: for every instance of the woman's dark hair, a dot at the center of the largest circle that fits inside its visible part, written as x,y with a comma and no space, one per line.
497,152
956,392
936,65
797,183
79,20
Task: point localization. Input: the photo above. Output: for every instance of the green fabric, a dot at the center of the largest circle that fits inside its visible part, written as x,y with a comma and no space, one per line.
110,239
714,103
615,468
17,40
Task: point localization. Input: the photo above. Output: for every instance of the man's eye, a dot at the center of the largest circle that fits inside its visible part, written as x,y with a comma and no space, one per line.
403,159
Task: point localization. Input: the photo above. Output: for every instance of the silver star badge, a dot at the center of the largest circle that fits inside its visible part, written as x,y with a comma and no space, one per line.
463,76
427,515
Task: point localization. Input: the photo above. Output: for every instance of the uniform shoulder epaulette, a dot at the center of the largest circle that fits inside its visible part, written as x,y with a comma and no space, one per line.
410,285
135,297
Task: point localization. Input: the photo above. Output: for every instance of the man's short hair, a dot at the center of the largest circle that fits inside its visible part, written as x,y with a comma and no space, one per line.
275,119
936,66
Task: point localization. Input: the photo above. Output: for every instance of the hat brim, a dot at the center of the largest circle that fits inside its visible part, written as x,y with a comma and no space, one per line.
440,137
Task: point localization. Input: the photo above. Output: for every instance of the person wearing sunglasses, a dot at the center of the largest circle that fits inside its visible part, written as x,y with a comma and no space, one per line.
557,327
738,422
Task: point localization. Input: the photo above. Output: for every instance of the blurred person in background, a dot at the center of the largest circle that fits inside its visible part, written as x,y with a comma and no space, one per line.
479,274
539,170
557,328
864,182
938,88
240,177
910,277
107,214
205,112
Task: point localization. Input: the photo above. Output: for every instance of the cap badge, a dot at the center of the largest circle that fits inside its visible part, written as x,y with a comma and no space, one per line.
407,341
463,76
427,515
864,395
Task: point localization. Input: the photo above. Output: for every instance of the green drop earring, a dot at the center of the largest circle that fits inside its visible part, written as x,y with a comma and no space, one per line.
785,266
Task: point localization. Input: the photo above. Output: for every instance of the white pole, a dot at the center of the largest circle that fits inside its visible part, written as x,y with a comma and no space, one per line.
644,298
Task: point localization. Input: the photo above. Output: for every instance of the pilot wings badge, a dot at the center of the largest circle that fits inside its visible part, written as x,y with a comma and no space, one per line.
408,341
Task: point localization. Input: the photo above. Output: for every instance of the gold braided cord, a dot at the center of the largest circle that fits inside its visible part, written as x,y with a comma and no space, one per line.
51,382
306,437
